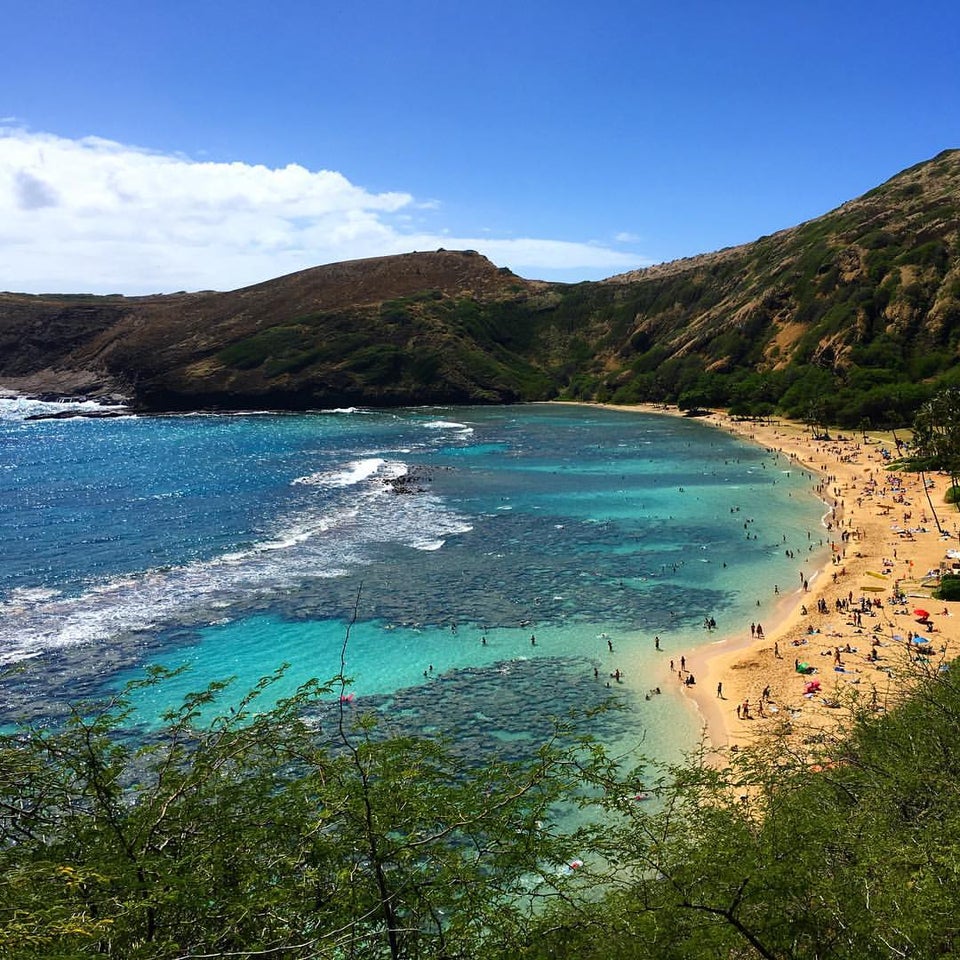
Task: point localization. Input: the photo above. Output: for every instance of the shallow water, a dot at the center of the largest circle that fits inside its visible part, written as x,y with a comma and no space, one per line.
236,543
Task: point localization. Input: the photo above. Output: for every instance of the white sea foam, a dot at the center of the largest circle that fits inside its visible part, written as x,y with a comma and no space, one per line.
20,408
315,541
32,594
355,472
462,429
154,598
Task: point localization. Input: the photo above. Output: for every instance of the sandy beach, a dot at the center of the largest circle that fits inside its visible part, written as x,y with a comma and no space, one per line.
841,641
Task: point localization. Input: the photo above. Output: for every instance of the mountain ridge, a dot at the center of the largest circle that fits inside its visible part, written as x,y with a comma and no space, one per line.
855,312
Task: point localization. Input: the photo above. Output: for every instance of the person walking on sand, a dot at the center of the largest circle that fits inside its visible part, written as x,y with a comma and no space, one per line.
720,689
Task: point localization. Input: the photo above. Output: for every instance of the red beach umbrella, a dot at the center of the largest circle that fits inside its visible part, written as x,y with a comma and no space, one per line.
922,614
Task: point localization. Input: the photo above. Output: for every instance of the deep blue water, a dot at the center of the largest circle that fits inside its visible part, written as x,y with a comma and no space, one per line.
235,543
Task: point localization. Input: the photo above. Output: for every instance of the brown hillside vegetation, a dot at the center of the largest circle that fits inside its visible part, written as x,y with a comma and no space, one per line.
132,345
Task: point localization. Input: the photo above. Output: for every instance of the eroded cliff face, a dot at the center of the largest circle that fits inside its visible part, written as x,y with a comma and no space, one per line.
884,264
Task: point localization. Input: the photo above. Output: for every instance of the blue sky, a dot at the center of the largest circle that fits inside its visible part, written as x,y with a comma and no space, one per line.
164,145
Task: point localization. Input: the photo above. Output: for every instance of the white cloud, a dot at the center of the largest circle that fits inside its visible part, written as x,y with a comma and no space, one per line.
528,253
92,215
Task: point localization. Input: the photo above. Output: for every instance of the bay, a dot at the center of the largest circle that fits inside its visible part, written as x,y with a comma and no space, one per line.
495,566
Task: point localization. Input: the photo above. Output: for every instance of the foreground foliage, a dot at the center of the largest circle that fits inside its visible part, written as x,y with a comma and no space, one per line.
855,856
256,835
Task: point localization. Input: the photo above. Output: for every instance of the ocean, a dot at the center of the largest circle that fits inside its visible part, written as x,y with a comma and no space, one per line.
492,567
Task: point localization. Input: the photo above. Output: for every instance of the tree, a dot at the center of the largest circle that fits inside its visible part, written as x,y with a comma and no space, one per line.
936,439
817,419
255,833
936,432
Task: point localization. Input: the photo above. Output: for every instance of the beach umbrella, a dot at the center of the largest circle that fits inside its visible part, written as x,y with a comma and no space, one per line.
922,614
874,589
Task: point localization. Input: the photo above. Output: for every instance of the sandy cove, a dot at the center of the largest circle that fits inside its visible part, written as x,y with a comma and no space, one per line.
884,540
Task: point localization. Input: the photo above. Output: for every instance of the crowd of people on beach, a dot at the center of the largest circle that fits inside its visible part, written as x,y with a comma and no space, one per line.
886,644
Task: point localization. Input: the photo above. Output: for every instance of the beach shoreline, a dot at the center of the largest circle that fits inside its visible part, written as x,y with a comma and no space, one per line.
841,621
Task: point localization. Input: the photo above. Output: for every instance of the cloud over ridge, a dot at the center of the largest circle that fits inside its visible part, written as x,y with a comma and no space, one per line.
93,215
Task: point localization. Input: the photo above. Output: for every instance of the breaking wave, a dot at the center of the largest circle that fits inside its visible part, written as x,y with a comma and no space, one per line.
338,523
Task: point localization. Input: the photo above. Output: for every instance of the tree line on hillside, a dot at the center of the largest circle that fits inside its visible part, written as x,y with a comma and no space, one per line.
848,397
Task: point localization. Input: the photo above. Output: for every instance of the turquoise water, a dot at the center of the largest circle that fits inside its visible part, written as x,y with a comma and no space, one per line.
234,544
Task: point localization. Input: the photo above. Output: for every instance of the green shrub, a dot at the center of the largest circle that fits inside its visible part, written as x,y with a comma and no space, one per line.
949,589
952,495
378,363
